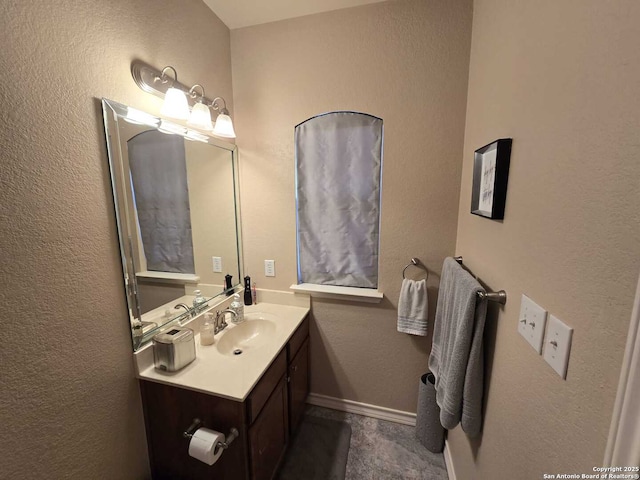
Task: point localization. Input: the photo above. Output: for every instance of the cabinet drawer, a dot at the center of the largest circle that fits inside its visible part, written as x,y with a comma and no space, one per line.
298,338
265,386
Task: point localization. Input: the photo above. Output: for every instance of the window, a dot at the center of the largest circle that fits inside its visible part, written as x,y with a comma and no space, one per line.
161,198
338,186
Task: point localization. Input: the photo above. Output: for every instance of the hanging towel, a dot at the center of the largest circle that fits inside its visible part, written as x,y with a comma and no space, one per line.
456,357
412,307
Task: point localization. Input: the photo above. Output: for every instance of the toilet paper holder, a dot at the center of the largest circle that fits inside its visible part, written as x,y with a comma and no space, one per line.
197,423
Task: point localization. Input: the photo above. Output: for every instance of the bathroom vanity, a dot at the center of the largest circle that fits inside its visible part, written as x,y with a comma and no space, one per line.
255,376
261,392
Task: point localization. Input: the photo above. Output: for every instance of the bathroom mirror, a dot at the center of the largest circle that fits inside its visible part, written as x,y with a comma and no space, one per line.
176,201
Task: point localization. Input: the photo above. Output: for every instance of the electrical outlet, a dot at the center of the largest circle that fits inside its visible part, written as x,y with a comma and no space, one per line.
532,322
557,345
217,264
269,268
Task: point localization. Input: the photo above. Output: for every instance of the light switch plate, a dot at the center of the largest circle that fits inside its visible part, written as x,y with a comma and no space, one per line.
557,345
269,268
532,322
217,264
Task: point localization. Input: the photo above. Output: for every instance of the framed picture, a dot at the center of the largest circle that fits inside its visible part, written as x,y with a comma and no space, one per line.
490,175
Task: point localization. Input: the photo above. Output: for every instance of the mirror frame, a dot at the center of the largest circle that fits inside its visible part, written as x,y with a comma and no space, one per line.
113,112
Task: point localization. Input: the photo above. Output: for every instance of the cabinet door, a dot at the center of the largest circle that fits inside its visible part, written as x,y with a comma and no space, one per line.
298,384
269,434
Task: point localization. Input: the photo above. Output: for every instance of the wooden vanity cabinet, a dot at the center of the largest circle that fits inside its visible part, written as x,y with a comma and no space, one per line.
169,411
269,435
265,420
298,385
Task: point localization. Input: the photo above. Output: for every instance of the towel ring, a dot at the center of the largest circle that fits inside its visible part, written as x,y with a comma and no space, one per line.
415,262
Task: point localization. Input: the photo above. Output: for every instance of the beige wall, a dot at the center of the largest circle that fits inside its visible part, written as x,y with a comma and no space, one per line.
406,62
213,215
69,403
561,79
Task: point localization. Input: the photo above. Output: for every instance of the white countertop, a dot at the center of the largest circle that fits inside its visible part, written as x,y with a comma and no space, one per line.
227,376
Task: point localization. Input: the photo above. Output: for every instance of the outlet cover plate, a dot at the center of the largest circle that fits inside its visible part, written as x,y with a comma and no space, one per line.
269,268
557,345
531,323
217,264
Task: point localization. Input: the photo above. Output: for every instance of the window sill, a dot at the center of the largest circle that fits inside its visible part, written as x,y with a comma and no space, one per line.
354,294
168,277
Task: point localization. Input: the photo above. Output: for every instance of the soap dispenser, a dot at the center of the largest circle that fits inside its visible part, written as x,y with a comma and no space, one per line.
207,334
238,308
199,303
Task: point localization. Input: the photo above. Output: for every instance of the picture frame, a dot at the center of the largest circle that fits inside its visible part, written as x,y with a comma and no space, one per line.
490,177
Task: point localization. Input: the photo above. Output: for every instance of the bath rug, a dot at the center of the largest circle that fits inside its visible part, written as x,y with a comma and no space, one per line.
318,451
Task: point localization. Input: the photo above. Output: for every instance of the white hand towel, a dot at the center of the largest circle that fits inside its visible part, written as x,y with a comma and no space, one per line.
413,307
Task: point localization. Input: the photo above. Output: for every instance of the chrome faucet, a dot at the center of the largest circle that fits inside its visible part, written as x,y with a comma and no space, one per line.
186,308
220,324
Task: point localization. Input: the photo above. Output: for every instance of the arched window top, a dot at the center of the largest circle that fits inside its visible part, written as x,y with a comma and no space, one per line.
324,117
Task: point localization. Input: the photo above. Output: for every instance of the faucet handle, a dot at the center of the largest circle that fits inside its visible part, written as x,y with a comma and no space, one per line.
220,318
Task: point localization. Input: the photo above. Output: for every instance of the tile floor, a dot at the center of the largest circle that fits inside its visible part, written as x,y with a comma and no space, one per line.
382,450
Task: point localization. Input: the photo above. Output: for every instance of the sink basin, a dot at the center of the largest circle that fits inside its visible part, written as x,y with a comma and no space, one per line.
259,316
255,331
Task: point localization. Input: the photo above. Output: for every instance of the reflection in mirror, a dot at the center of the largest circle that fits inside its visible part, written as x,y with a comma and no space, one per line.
176,200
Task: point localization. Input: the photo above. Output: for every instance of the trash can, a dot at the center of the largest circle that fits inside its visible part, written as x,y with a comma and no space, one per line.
429,431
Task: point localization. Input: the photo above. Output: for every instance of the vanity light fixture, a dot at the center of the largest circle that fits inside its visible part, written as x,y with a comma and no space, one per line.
175,101
224,125
200,114
160,84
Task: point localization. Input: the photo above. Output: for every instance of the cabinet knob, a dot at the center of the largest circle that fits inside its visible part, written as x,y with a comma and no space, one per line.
294,368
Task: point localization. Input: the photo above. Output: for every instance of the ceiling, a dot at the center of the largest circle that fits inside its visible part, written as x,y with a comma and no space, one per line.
244,13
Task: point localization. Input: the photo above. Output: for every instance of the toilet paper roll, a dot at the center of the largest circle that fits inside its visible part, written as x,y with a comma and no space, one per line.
203,445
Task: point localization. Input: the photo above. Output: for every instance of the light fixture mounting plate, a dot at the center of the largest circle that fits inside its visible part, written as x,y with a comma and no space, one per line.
149,78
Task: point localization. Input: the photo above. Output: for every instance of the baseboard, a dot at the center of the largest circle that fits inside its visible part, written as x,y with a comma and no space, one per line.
373,411
448,461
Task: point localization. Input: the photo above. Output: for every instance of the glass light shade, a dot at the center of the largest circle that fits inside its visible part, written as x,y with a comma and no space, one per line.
200,117
175,104
224,127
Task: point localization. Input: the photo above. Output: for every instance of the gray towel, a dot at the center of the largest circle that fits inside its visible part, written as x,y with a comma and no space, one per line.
412,307
456,357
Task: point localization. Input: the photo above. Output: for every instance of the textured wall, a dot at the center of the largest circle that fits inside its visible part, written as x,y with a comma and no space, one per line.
213,216
562,79
406,62
69,403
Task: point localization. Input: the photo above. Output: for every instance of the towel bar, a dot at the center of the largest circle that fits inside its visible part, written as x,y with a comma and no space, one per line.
415,262
500,296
